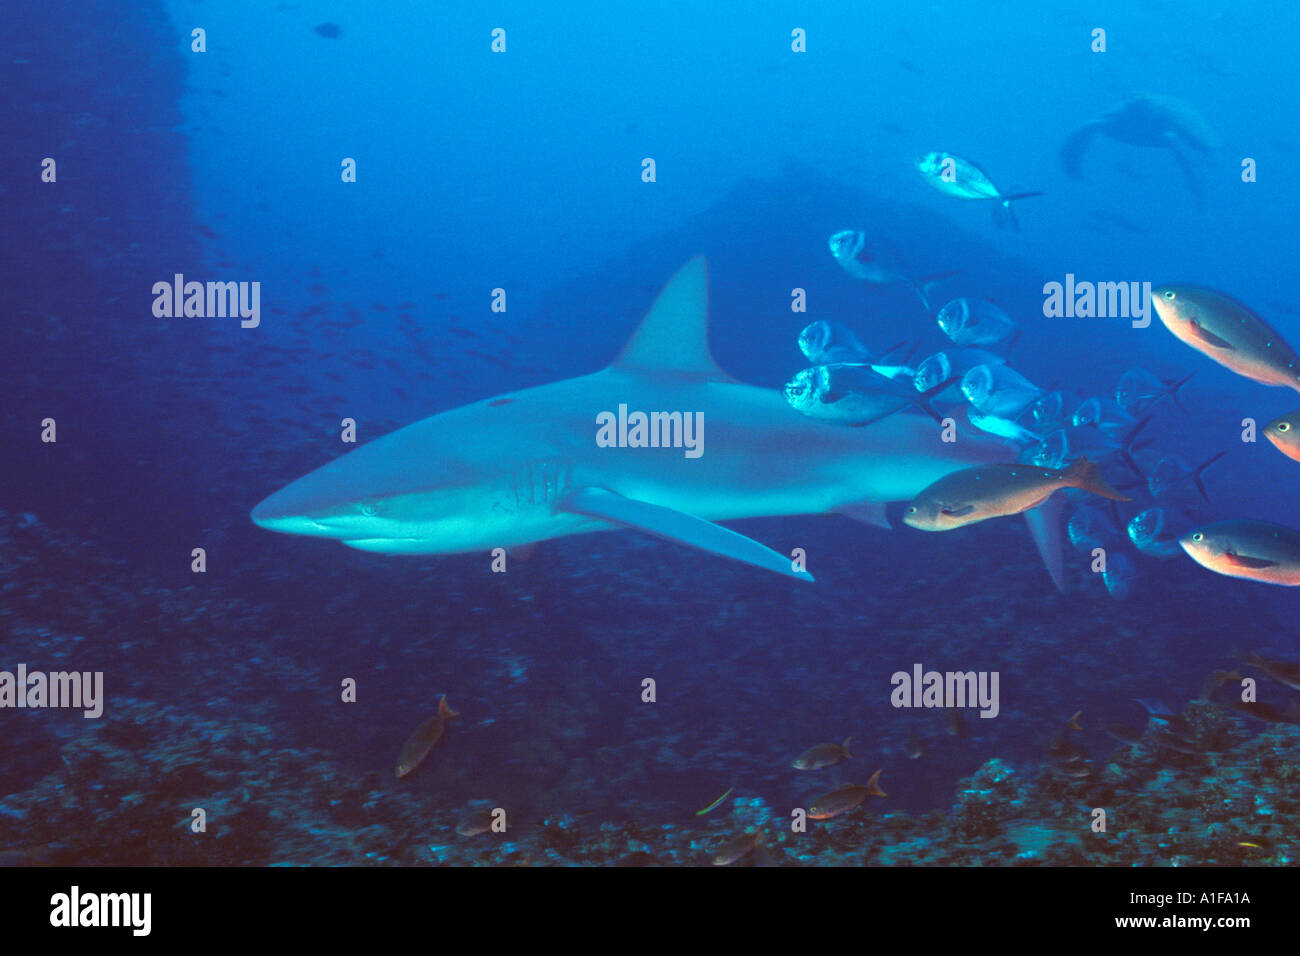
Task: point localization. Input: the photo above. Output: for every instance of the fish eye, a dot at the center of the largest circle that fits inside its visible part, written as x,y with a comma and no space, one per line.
1284,426
368,509
1168,294
1198,536
912,510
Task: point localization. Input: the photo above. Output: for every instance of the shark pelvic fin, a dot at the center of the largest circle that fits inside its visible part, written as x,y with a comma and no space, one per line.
674,335
1045,525
868,512
678,526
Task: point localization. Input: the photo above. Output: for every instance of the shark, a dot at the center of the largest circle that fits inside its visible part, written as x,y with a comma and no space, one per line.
524,467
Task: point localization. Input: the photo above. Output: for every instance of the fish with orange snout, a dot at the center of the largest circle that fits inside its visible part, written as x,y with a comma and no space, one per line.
1254,550
424,738
993,491
823,755
845,798
1227,332
1284,433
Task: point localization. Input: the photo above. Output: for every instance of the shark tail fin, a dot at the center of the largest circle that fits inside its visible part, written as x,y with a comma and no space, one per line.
1045,527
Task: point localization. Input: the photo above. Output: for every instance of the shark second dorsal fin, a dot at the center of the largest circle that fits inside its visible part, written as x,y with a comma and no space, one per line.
673,338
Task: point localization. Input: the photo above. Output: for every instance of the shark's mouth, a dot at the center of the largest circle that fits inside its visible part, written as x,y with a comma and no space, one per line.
392,545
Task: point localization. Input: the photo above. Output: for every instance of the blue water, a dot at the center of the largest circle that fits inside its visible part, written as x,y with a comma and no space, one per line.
522,170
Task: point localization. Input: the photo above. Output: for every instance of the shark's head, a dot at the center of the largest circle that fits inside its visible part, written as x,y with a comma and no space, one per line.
381,497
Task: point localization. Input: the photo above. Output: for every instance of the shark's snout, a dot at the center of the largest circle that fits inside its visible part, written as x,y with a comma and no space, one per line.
271,515
286,511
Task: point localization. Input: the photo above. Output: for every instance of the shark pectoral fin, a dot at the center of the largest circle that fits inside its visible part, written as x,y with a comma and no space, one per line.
1045,525
868,512
678,526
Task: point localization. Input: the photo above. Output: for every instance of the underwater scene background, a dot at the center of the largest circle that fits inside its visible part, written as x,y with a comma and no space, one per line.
224,156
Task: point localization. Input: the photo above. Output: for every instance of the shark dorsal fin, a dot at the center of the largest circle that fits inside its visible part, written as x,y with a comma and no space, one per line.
674,335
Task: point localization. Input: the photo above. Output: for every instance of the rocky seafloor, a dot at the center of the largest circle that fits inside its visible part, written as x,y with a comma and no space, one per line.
215,703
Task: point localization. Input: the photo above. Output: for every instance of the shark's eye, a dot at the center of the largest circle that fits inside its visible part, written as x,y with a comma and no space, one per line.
368,509
1169,294
1198,536
1284,426
912,510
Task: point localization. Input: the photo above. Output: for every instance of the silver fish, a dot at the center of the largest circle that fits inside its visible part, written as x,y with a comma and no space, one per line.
1104,415
830,343
877,262
1120,575
1171,471
1138,390
1049,412
998,390
951,363
1002,427
849,394
1090,528
1156,532
962,179
975,322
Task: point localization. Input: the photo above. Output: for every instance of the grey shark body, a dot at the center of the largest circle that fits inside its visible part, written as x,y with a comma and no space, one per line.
526,466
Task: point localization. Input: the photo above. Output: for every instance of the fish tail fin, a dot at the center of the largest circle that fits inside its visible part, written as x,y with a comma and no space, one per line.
1009,344
1045,527
922,287
1199,471
924,398
1003,216
910,344
1008,200
845,746
873,786
444,709
1174,387
1128,447
1087,475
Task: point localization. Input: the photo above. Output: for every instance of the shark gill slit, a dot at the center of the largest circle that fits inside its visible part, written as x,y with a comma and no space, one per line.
540,482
